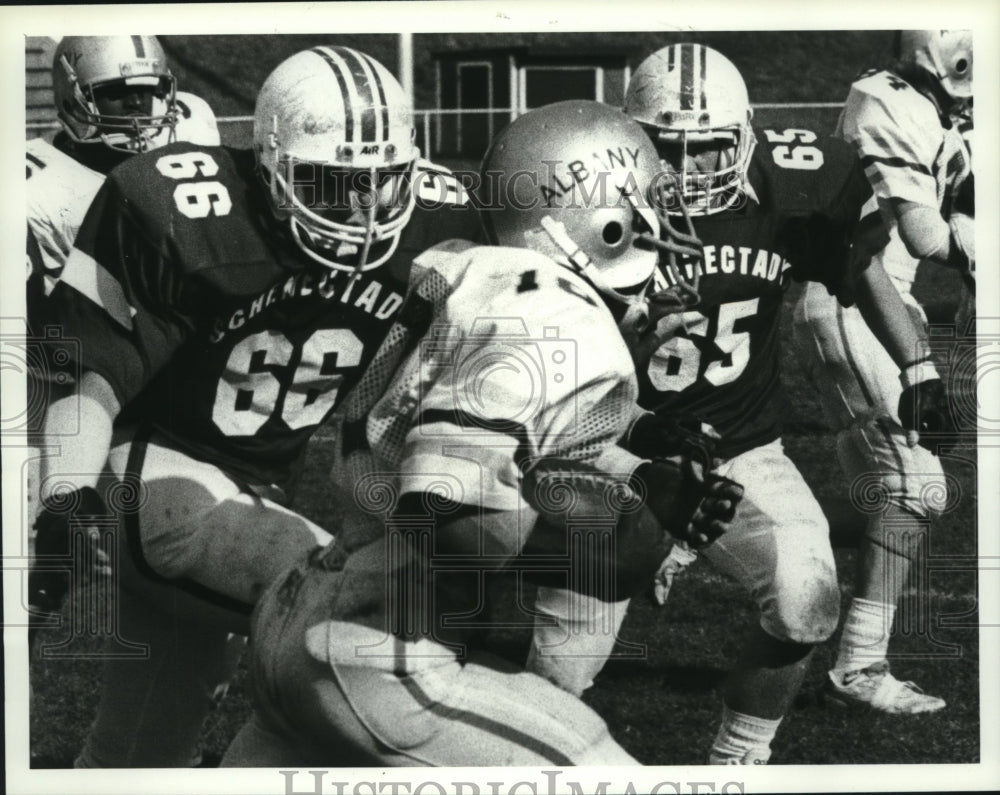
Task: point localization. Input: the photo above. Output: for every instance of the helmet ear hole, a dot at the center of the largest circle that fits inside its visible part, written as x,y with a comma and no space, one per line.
961,66
612,233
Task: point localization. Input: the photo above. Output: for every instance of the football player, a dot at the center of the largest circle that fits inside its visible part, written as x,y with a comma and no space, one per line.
114,96
225,301
909,126
768,209
493,410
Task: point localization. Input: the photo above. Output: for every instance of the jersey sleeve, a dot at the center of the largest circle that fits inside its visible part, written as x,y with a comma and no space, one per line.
896,135
120,297
530,364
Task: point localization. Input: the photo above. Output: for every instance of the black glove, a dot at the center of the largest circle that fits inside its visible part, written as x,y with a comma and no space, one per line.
923,407
47,587
664,436
691,503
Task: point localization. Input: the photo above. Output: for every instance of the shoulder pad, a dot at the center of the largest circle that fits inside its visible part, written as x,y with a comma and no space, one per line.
192,202
795,171
197,122
436,187
884,98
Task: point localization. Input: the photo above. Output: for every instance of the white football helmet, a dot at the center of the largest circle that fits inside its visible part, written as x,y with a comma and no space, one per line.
86,67
334,140
693,103
945,55
576,182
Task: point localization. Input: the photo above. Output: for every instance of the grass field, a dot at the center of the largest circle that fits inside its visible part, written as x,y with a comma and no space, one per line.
664,708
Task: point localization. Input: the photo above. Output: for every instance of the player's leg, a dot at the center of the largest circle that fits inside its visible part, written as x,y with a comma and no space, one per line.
573,637
899,486
340,690
196,549
779,548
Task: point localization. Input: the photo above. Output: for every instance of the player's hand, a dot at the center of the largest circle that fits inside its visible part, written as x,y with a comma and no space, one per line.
923,406
49,578
664,436
691,504
680,557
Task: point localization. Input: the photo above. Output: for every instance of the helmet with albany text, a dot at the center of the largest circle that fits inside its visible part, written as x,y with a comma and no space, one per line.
114,90
334,141
693,104
574,183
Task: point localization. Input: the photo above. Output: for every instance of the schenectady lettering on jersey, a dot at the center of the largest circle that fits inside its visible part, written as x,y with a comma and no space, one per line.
740,260
364,293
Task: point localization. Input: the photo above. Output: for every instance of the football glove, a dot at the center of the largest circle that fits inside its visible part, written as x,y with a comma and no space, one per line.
923,406
681,556
48,580
691,503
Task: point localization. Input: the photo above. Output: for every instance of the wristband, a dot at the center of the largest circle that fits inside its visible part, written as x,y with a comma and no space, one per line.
918,371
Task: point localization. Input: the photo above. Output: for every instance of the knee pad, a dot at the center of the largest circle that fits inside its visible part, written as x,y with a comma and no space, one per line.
805,614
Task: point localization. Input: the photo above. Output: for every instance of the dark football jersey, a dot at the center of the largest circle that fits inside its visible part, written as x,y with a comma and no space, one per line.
209,322
722,361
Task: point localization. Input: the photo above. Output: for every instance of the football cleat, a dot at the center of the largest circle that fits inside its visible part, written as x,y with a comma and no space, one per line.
875,687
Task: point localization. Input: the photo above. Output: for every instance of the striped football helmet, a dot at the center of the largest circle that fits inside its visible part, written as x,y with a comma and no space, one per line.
577,182
334,140
693,104
88,69
944,55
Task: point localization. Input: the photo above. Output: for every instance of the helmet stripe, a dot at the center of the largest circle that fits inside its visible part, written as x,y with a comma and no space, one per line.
687,77
382,101
702,70
140,49
338,72
365,82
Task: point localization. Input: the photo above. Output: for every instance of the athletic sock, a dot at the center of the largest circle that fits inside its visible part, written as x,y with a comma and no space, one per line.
742,739
865,639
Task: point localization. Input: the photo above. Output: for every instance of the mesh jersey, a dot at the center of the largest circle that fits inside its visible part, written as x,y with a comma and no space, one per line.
908,151
208,321
721,362
499,355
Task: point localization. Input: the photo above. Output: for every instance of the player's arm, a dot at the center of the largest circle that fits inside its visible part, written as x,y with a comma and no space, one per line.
922,406
116,325
894,140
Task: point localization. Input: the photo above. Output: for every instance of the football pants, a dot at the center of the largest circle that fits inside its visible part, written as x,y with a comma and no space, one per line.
859,387
334,689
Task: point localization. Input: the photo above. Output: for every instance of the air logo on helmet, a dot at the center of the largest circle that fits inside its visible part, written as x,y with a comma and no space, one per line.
370,150
128,68
579,172
675,117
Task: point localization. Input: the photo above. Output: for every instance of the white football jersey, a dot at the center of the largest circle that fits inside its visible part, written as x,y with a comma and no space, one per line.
907,153
60,189
500,355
